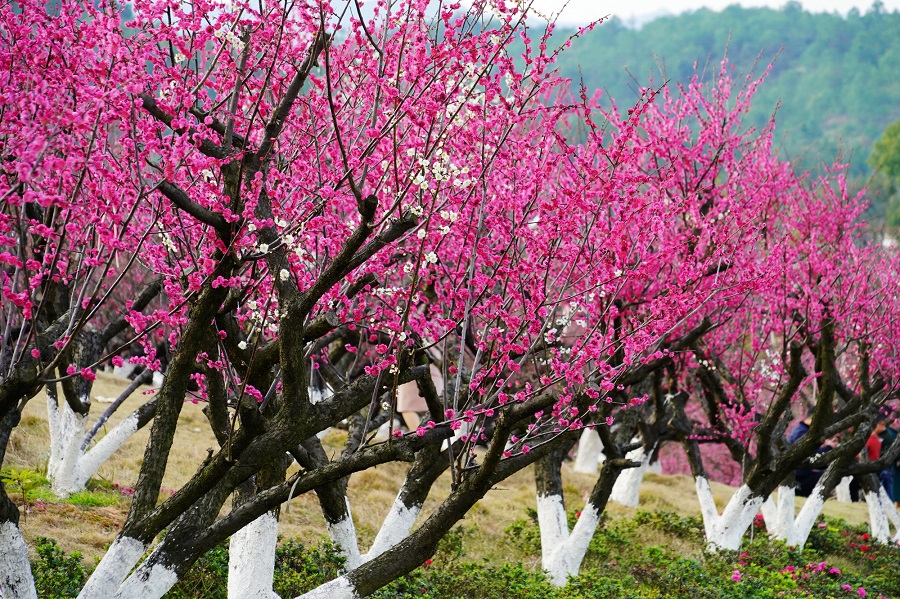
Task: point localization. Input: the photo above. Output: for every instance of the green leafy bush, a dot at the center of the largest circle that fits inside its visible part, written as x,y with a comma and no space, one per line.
57,574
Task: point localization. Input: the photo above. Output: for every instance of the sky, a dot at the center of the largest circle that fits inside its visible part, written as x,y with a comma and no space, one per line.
581,12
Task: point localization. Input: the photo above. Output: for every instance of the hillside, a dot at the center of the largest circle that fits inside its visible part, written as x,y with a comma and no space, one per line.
837,79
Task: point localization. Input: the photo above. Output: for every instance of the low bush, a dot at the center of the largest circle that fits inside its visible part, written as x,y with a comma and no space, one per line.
57,575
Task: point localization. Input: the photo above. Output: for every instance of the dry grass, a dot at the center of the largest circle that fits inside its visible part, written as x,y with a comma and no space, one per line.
90,529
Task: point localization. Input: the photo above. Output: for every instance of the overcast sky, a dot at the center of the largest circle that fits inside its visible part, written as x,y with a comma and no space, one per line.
579,12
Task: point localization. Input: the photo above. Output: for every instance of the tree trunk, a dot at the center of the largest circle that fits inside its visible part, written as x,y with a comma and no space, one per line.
590,451
882,512
251,559
561,552
628,485
725,530
16,580
842,491
429,464
117,562
67,429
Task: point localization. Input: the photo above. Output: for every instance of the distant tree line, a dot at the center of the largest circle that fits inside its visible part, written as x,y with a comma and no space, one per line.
834,79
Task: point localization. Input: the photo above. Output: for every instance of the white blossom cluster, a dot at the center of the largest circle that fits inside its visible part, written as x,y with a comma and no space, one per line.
231,39
258,321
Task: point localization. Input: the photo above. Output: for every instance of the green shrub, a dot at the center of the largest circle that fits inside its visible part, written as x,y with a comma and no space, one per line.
688,528
524,534
208,578
56,574
298,570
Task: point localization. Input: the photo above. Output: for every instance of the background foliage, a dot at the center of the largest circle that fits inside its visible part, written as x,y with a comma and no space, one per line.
834,79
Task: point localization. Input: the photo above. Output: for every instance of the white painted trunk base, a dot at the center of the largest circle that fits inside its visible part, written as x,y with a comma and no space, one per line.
251,559
67,430
883,513
339,588
396,527
147,582
590,452
842,491
69,468
94,457
626,490
552,524
16,581
561,552
343,535
118,561
726,530
780,520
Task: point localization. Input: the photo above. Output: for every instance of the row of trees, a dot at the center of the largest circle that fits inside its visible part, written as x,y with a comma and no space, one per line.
307,209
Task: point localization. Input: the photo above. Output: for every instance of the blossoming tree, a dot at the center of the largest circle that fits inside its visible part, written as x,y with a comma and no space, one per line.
723,181
815,334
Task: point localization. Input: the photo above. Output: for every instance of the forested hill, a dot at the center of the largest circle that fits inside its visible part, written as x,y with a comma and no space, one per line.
838,79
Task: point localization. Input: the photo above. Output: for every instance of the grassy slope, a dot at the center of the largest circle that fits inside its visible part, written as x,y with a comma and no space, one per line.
82,525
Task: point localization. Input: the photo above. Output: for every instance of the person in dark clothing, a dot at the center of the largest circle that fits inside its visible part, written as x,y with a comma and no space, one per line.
801,429
807,478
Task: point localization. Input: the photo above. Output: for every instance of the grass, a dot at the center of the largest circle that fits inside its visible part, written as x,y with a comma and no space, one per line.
88,521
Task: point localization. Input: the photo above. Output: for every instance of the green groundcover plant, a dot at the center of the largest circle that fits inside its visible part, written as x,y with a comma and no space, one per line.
654,555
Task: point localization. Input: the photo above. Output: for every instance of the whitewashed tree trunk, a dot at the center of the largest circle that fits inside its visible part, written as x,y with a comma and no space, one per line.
883,513
66,432
627,489
780,519
251,559
553,526
339,588
561,552
16,581
70,467
120,558
590,452
151,580
842,491
725,530
343,535
396,527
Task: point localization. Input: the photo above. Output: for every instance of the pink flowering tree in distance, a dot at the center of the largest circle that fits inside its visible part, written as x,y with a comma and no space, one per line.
315,199
723,181
814,337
